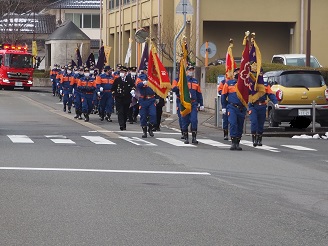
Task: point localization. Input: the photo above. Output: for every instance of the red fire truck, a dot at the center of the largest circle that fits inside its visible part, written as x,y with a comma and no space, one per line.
16,67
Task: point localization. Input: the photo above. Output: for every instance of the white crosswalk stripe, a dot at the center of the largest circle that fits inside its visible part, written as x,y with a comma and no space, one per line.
263,147
98,140
213,143
297,147
20,139
60,139
138,141
175,142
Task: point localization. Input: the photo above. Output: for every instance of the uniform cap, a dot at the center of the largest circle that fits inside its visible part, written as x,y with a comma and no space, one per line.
86,69
190,67
124,69
107,68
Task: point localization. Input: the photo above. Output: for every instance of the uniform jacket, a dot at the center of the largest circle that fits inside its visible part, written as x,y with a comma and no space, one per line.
121,89
194,90
105,81
86,85
229,94
145,90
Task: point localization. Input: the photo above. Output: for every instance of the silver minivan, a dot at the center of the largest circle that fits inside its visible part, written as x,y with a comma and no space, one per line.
297,60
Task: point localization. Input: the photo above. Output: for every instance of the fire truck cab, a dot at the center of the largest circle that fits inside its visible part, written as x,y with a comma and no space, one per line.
16,67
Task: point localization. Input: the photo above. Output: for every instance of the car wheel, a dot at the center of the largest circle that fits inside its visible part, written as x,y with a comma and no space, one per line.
300,122
272,123
323,123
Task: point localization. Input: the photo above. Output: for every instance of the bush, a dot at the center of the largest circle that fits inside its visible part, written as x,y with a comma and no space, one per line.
213,71
41,73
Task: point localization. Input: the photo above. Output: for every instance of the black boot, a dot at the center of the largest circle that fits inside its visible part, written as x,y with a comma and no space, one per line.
80,116
193,140
64,109
182,136
225,134
254,140
237,144
102,116
144,129
186,137
86,117
259,140
69,110
108,115
150,130
76,114
233,143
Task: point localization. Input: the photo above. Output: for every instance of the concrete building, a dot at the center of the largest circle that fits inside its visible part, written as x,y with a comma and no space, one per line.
62,44
280,26
84,14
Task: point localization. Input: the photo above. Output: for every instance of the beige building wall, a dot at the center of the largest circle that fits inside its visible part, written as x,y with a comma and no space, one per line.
280,26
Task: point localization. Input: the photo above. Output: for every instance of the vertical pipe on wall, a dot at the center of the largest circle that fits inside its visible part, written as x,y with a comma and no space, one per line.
197,33
137,27
159,23
302,28
120,32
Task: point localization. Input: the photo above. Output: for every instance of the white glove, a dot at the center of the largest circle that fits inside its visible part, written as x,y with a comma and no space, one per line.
156,100
201,108
98,93
73,91
224,111
52,80
132,92
145,82
276,105
101,89
70,95
61,92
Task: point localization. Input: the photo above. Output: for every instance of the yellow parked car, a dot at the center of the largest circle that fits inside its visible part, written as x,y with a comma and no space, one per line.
295,91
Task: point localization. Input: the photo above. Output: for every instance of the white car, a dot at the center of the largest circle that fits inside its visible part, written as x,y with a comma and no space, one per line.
298,60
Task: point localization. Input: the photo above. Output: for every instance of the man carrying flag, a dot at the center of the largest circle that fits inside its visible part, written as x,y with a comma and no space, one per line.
259,93
231,104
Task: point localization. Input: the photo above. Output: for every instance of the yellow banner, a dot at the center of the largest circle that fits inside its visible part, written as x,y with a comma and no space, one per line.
34,51
107,50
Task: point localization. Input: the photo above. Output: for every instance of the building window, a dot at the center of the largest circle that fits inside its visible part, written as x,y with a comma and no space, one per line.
95,21
84,20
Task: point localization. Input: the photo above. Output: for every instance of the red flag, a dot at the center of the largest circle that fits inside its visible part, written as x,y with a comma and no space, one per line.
230,62
242,89
158,77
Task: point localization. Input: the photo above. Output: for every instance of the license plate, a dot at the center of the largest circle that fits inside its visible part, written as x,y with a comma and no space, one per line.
18,83
304,112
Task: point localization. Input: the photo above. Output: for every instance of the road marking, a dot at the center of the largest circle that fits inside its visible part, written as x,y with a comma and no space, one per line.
134,132
175,142
138,141
264,147
60,139
101,171
20,139
213,143
98,140
297,147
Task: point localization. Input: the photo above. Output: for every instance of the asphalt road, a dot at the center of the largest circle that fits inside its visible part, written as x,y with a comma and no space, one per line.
70,182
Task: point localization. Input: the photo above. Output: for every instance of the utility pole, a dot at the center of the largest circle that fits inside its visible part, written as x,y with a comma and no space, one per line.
308,35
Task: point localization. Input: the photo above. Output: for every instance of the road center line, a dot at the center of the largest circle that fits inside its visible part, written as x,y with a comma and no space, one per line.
101,171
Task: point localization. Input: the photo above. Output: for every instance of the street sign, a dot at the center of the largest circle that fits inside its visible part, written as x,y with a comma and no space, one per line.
211,50
184,6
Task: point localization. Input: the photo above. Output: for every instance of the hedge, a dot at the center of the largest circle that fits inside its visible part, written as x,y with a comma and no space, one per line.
213,71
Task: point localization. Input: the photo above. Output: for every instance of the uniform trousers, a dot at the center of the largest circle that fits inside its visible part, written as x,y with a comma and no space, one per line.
236,118
257,116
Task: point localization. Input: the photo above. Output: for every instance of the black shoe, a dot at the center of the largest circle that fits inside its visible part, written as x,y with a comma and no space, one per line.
150,131
193,140
225,134
86,117
64,109
144,130
76,116
121,128
69,110
80,117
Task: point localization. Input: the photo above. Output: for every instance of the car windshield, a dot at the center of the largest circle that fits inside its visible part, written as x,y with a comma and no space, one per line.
305,80
20,61
302,62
